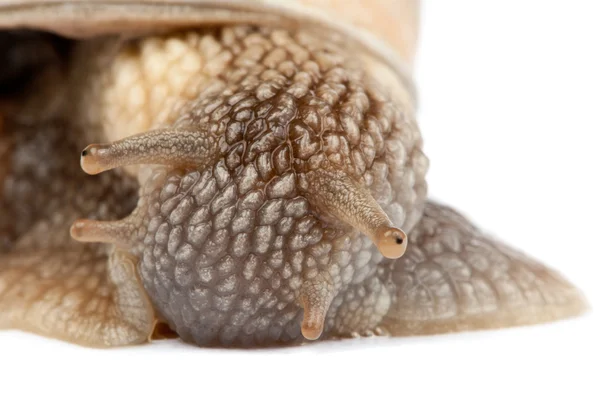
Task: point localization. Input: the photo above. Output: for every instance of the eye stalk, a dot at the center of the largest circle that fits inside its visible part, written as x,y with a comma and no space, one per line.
171,147
348,201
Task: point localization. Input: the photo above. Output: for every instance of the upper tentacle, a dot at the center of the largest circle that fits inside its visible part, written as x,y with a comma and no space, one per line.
172,147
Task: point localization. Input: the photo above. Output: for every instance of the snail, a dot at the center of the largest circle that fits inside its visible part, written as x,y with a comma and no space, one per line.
235,174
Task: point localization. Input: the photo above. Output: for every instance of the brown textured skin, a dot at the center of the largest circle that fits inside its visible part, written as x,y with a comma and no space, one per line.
227,252
254,243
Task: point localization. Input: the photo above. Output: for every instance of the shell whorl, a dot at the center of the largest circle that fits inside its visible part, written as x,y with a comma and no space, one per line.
384,29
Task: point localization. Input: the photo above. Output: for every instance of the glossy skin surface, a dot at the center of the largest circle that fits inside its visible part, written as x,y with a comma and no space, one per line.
285,158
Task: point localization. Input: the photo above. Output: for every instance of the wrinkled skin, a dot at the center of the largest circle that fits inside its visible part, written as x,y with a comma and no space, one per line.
251,212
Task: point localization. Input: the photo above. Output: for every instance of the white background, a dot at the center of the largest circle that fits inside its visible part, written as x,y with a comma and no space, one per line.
509,108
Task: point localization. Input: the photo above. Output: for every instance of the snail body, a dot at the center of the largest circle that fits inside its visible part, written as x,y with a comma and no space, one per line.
251,174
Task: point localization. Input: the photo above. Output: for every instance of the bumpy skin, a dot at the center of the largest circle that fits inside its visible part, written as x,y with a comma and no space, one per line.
278,148
228,253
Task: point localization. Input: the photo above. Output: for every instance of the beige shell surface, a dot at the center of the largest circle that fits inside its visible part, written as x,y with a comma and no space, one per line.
387,28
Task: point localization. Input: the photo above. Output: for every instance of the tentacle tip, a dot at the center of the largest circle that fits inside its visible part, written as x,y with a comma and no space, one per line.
391,242
311,331
106,232
78,230
316,299
90,159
